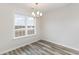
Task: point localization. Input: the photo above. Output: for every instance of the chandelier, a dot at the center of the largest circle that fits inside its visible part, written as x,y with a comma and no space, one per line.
36,12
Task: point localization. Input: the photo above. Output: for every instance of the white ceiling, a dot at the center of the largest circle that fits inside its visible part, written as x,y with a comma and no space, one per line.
43,7
46,6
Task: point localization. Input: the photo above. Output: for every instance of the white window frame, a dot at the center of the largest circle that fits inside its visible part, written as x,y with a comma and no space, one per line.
26,35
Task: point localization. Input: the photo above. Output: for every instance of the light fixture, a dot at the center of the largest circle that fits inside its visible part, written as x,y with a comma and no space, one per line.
36,11
33,13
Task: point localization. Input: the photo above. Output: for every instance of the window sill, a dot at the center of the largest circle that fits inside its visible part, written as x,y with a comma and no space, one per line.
25,36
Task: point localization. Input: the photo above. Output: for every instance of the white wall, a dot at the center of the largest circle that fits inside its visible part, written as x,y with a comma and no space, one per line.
61,26
7,12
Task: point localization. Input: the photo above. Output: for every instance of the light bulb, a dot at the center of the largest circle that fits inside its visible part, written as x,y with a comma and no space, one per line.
40,14
37,12
33,13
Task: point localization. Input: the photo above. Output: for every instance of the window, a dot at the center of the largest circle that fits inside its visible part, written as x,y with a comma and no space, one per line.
24,26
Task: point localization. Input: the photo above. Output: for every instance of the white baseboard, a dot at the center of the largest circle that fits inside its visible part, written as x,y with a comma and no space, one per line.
62,45
18,47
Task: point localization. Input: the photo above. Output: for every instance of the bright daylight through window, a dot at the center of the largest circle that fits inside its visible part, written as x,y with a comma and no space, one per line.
24,26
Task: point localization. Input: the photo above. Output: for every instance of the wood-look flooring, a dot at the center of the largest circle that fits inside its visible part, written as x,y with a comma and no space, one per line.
43,48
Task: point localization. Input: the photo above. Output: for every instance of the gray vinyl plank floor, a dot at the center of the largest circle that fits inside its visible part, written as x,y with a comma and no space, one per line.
42,48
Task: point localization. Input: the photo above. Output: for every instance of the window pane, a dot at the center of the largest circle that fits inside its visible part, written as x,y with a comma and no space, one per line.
30,21
19,33
31,31
19,21
31,25
19,25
